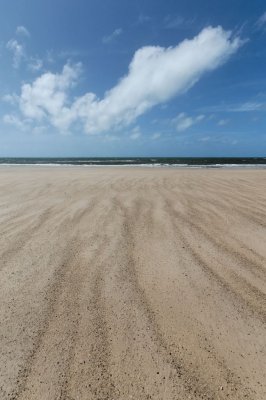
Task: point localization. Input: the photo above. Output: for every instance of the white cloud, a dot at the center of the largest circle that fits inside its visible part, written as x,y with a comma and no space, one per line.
110,138
50,57
200,118
10,99
261,21
221,139
18,51
177,21
38,130
21,30
135,136
142,19
35,64
117,32
10,119
156,136
47,97
223,122
155,75
248,106
204,139
135,133
183,122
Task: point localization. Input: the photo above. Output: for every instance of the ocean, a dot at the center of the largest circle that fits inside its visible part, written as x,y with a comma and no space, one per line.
179,162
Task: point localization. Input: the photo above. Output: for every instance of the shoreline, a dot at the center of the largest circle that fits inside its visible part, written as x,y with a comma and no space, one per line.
164,166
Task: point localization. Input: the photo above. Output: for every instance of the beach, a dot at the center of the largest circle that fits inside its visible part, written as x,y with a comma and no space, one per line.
132,283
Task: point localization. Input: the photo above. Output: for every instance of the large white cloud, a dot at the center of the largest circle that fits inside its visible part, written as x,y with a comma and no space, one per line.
155,75
47,97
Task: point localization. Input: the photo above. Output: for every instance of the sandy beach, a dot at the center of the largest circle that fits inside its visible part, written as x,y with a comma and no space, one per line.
132,283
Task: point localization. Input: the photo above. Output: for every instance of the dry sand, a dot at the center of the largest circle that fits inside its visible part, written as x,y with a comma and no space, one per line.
132,284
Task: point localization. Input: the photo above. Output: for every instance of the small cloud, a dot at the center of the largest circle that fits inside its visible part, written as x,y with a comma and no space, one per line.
38,130
135,136
35,64
142,19
223,122
108,39
18,51
22,31
183,121
205,139
199,118
175,22
220,139
156,136
135,133
10,98
10,119
50,58
110,138
261,21
248,106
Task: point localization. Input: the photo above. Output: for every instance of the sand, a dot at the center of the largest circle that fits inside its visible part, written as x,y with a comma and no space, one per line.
132,283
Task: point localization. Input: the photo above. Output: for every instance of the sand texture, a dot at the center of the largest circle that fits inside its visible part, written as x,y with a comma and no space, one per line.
135,283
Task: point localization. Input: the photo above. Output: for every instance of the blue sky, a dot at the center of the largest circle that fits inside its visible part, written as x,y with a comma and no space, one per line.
132,78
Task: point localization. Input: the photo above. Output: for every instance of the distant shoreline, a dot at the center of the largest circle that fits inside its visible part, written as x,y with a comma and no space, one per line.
172,162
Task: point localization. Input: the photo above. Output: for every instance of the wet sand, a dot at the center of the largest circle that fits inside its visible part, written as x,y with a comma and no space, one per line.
132,283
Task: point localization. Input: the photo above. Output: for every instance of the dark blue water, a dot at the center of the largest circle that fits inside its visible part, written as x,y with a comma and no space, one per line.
182,162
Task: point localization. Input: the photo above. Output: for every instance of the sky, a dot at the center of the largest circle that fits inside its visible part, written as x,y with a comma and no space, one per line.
87,78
